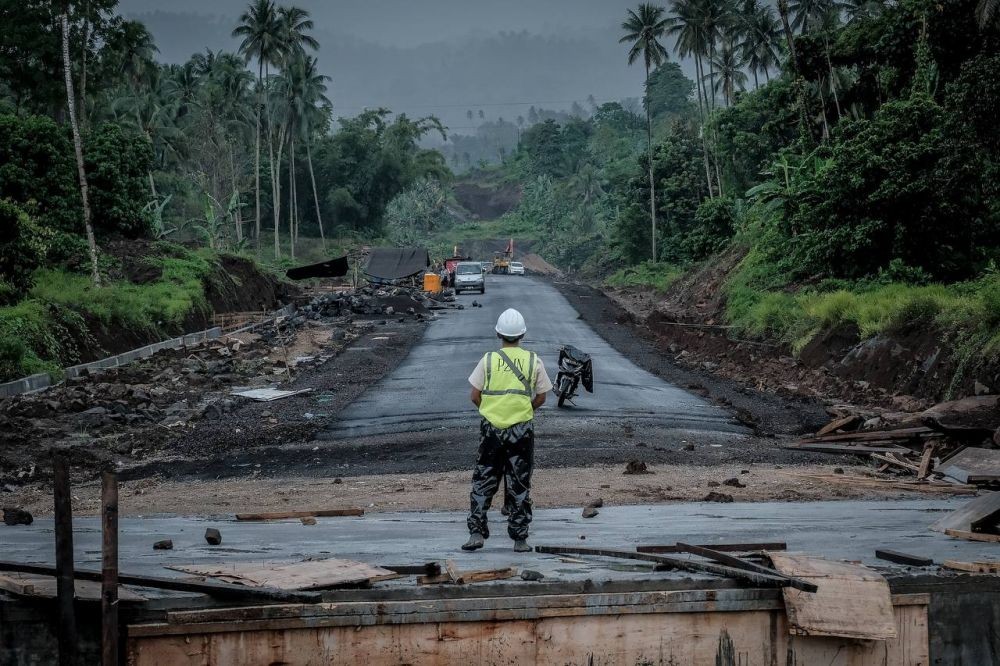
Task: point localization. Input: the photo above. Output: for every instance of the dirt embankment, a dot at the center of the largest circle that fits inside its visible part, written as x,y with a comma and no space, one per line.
906,369
487,201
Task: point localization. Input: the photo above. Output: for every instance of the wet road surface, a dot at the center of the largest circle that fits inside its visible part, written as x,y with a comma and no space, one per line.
429,390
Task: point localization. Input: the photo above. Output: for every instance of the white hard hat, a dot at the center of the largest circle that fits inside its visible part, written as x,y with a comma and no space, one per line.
511,324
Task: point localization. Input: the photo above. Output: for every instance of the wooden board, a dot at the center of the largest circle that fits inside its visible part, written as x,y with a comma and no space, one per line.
464,577
318,513
848,422
308,575
973,465
962,519
719,547
851,601
888,484
44,587
973,567
973,536
903,558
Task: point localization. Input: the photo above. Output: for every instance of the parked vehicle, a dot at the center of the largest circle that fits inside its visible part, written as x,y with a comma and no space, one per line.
516,268
575,367
469,277
487,266
501,260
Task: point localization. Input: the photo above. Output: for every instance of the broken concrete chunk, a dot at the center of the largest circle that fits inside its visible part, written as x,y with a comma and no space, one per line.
590,512
16,516
718,497
165,544
531,575
213,536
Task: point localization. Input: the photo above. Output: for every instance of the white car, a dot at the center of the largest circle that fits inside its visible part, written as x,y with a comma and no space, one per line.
469,277
516,268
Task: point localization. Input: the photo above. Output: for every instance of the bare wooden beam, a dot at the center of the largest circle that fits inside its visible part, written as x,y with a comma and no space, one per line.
65,592
718,547
215,589
109,569
320,513
903,558
767,580
733,561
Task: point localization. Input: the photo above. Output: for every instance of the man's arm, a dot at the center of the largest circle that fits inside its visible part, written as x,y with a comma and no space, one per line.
477,396
537,402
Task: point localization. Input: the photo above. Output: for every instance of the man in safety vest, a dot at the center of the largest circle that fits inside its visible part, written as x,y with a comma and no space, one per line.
508,386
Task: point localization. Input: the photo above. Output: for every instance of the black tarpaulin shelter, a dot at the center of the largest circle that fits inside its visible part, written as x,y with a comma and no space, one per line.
332,268
396,263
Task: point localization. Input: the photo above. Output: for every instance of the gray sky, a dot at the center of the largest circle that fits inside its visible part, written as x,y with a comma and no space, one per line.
435,56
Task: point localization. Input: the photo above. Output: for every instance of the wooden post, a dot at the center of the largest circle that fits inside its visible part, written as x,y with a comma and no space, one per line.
65,589
109,569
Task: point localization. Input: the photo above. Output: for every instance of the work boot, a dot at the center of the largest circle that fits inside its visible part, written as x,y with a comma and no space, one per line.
475,542
521,546
504,511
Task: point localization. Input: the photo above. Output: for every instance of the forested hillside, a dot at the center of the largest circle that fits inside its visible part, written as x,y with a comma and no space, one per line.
845,153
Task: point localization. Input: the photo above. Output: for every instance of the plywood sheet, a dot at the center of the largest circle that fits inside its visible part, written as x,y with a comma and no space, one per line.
852,600
973,465
308,575
962,519
44,587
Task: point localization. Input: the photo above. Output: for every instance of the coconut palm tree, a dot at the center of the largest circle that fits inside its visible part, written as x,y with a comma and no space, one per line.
761,40
78,145
644,28
729,63
987,12
260,31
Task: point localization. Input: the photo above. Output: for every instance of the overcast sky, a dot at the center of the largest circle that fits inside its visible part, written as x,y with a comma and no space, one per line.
435,56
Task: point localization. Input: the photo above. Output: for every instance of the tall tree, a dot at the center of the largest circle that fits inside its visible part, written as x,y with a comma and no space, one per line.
644,28
95,274
760,41
260,30
728,61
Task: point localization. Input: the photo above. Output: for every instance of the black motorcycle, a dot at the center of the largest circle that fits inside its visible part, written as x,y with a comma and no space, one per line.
575,367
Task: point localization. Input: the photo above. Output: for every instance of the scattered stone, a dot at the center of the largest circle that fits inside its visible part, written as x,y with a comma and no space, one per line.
605,485
213,536
590,512
16,516
165,544
531,575
308,520
597,503
744,471
718,497
338,480
583,536
636,467
713,484
734,483
838,470
688,447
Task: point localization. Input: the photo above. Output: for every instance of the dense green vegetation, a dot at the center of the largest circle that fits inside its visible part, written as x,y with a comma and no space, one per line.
849,150
226,152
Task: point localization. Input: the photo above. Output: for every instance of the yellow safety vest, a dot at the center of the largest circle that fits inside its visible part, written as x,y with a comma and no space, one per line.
506,400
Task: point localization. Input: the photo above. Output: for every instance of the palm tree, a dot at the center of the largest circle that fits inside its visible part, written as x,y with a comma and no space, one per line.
644,28
783,12
729,63
138,50
857,9
760,42
259,29
987,11
78,146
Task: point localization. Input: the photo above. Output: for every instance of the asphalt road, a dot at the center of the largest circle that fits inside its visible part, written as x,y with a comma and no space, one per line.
429,390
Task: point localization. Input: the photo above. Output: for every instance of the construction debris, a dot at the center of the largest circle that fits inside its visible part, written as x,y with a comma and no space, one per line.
465,577
165,544
590,512
636,467
213,536
983,567
268,394
531,575
318,513
714,496
307,575
981,515
718,547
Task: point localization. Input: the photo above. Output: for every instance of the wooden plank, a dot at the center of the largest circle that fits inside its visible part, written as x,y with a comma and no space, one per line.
903,558
973,536
427,569
893,460
973,465
925,461
873,435
718,547
849,422
820,447
972,567
63,510
673,562
961,519
452,570
219,590
464,577
18,586
109,569
319,513
851,601
886,484
730,560
308,575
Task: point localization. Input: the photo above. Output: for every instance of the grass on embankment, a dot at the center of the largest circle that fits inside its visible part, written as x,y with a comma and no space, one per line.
44,332
656,276
967,314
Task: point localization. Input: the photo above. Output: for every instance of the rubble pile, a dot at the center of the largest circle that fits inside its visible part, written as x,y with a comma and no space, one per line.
371,301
